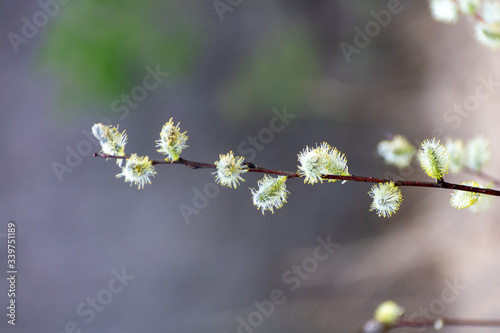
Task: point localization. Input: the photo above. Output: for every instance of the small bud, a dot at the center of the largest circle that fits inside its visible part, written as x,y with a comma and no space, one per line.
463,199
477,153
229,170
388,313
398,151
137,170
456,150
386,199
112,141
172,141
272,193
434,158
445,11
322,160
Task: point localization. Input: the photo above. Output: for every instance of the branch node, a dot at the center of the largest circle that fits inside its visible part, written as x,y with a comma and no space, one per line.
250,165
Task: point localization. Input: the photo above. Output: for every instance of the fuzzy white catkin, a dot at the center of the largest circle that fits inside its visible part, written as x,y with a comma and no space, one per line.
491,12
229,170
464,199
272,193
488,30
483,203
445,11
386,199
456,150
477,153
137,171
398,151
434,158
172,141
111,140
322,160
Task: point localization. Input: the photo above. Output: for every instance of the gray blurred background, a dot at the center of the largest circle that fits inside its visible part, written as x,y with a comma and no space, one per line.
230,65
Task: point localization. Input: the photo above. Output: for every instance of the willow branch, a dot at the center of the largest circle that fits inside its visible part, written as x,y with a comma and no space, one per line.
289,174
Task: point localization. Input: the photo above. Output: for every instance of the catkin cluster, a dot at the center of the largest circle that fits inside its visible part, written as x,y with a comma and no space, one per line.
314,165
437,160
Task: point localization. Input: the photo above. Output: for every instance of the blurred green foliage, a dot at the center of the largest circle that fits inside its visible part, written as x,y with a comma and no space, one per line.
99,49
276,73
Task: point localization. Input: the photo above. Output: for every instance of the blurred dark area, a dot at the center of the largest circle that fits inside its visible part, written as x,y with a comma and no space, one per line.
97,255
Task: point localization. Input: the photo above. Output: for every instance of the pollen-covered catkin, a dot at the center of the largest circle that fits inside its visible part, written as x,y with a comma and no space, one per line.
386,199
434,158
111,140
272,193
172,141
229,170
137,171
463,199
322,160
